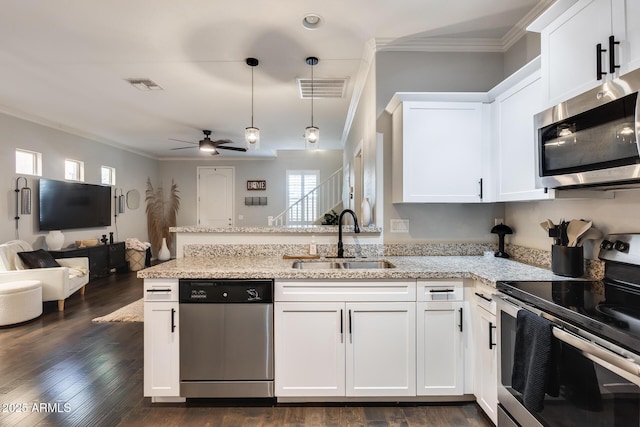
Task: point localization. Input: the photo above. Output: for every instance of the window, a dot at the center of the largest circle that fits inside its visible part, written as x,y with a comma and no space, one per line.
28,162
73,170
300,183
107,175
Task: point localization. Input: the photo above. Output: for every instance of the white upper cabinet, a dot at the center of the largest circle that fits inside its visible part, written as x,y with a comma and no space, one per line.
517,100
626,19
438,148
590,43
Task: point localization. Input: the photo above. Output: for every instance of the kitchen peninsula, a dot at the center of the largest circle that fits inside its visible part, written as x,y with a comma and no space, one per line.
417,322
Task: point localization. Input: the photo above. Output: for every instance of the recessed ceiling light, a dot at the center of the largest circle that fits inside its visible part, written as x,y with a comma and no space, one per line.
311,21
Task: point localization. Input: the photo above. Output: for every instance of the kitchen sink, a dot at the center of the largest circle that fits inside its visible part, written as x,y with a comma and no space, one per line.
323,265
367,264
316,265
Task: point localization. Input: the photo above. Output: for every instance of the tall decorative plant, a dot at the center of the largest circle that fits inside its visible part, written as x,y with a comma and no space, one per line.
161,214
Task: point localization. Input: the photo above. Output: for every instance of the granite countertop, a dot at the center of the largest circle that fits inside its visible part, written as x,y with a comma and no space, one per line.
486,269
314,229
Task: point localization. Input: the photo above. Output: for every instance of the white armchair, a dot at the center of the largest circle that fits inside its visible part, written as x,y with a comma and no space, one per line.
58,283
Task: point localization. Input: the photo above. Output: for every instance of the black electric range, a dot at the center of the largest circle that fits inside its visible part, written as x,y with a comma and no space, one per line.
609,308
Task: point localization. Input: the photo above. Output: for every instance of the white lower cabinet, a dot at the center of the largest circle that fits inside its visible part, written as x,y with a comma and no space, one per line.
356,340
381,351
309,349
161,339
440,338
440,348
486,358
345,349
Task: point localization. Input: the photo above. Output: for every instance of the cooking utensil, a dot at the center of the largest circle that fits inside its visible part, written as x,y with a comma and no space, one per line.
575,229
590,234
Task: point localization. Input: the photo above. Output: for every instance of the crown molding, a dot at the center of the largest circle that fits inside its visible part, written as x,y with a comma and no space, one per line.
469,44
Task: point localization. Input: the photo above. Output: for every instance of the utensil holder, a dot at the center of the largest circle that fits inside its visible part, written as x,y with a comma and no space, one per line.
567,260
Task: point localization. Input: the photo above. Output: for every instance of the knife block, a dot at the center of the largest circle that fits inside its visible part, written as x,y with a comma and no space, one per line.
567,260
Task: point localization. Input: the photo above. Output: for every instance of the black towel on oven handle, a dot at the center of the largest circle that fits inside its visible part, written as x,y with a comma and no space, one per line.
532,374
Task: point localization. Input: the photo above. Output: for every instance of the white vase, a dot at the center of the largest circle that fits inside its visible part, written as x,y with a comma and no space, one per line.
55,240
163,253
365,210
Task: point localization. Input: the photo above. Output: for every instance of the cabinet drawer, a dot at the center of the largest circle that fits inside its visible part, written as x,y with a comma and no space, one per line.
340,290
482,298
161,290
440,290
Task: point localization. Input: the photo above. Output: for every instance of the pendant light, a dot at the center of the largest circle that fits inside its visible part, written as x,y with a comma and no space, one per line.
312,133
252,133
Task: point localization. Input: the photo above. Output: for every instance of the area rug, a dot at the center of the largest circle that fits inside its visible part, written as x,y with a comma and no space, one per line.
133,312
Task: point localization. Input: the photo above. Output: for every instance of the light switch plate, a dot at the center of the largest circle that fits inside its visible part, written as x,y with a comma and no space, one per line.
399,226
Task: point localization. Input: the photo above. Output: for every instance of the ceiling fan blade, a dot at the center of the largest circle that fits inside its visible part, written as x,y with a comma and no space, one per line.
222,147
223,141
181,148
182,140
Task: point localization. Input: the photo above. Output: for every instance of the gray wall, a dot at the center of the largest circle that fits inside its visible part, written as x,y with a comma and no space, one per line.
434,72
183,172
522,52
55,145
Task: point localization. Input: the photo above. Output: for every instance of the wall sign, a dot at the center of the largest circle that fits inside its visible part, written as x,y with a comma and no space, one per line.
257,185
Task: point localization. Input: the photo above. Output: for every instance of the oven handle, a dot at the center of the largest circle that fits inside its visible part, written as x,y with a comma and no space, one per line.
598,354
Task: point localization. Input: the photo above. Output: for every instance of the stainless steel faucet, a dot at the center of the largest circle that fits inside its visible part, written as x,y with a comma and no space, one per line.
356,229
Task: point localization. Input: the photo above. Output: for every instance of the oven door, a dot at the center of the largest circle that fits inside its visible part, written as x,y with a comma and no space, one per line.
597,386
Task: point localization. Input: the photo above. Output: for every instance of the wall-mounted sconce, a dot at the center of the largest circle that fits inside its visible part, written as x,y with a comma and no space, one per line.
23,201
120,201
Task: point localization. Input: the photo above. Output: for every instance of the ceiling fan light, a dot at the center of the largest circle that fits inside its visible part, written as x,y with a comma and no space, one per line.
312,134
252,136
207,146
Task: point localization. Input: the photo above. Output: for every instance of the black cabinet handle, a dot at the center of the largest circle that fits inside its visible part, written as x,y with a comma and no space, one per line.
173,320
158,290
483,297
350,328
481,190
460,309
438,291
341,325
612,54
491,343
599,52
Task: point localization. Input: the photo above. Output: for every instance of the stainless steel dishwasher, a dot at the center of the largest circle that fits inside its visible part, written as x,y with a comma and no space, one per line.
226,338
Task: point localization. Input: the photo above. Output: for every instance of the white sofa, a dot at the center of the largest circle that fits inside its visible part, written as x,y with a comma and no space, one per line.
58,283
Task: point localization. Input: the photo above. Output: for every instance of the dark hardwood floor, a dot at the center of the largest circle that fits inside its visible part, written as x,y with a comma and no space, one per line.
61,369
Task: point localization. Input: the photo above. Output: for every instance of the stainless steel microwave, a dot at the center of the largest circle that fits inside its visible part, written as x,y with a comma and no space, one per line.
592,139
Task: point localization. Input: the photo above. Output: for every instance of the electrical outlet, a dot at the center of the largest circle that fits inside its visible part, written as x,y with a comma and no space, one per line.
399,226
497,221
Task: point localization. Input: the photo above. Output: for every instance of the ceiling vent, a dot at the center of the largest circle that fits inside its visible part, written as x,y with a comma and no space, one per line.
322,88
144,84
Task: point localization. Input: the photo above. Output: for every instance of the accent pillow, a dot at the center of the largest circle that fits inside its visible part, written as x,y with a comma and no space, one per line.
38,259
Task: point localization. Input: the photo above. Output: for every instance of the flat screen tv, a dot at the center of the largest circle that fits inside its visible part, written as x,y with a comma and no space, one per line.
65,205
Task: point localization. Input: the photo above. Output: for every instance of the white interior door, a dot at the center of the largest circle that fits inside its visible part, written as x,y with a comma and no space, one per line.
215,196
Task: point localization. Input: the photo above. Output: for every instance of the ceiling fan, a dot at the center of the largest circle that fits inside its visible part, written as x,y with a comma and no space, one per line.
208,146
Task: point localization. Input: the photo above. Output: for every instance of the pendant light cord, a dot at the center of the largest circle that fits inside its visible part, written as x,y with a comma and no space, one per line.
252,96
312,93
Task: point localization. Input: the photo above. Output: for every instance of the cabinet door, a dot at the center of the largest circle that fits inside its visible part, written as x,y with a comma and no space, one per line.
381,349
309,349
626,30
486,364
440,348
161,349
516,141
569,50
442,152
